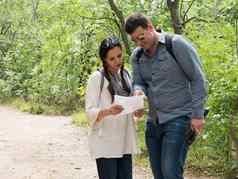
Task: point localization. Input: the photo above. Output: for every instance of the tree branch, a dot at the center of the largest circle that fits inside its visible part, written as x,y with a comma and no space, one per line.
186,12
119,15
96,18
194,18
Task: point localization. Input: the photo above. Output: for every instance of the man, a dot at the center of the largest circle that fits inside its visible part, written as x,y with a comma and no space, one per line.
176,89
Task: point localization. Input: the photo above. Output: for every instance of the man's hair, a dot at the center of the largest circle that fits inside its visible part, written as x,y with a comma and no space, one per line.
136,20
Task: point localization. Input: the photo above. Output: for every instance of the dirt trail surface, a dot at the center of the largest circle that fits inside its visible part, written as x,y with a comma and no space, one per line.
46,147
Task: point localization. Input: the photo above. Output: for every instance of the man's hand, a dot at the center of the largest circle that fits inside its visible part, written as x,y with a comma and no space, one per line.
138,113
197,124
138,93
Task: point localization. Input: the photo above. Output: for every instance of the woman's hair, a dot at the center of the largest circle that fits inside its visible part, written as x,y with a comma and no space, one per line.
106,45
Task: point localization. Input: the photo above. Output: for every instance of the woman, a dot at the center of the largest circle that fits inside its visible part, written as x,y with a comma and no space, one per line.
112,139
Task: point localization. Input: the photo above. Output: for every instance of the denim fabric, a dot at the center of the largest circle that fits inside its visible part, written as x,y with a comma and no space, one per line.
167,147
115,168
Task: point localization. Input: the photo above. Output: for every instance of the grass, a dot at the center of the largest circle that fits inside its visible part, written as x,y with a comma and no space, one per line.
35,108
80,119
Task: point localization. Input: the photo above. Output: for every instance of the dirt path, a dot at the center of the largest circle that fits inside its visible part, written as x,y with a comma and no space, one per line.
43,147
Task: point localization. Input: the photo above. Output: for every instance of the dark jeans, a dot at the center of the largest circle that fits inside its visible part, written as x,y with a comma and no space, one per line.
167,147
115,168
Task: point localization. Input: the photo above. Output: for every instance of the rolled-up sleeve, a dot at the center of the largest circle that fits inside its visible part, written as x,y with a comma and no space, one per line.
138,82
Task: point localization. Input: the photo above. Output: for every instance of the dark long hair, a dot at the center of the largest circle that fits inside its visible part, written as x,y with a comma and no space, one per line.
106,45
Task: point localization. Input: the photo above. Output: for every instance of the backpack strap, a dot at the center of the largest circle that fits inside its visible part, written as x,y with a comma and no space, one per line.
169,48
169,45
138,55
101,83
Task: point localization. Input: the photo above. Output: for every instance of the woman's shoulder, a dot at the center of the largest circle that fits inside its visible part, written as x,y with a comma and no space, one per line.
96,75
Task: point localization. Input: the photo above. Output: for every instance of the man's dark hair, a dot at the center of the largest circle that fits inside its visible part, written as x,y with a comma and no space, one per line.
136,20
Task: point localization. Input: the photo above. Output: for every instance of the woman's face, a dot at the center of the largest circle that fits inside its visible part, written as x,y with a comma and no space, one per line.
114,60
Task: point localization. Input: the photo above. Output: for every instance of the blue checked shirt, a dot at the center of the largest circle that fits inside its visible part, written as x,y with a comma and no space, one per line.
171,93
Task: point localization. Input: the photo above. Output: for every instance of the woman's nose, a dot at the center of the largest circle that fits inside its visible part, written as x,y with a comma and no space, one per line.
118,60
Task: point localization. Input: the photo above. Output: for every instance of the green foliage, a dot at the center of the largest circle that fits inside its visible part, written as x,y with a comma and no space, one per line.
80,119
216,45
49,48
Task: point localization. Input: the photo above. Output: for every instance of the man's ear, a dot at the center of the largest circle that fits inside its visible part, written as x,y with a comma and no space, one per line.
150,27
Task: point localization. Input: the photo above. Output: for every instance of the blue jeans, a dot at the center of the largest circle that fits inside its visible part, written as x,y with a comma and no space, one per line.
167,147
115,168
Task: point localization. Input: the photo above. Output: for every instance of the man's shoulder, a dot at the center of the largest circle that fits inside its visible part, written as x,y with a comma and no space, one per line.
178,40
135,51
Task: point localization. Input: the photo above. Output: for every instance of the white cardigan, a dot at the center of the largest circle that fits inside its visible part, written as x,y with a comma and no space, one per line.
112,136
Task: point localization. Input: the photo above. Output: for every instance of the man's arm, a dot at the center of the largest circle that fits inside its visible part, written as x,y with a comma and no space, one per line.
139,86
189,60
138,82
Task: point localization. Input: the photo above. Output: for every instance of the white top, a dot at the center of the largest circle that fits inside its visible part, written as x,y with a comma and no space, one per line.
112,136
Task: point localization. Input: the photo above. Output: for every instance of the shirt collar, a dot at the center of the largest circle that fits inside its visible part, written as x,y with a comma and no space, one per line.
162,38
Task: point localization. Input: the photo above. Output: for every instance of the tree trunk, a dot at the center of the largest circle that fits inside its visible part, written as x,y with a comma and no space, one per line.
121,27
35,4
232,133
233,139
216,7
233,143
236,27
173,6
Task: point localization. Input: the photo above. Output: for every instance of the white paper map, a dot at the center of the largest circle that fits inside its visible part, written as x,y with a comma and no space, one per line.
130,103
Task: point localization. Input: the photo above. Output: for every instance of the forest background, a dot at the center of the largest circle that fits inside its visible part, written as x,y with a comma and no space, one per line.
48,49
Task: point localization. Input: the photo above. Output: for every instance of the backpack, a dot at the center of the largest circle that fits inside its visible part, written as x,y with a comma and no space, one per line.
169,48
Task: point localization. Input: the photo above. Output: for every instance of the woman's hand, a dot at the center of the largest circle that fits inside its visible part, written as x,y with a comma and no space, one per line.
115,109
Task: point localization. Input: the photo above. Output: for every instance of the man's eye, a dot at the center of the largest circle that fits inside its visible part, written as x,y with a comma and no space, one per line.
119,56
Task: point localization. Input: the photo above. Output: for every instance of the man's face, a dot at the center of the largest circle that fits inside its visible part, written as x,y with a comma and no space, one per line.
143,37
